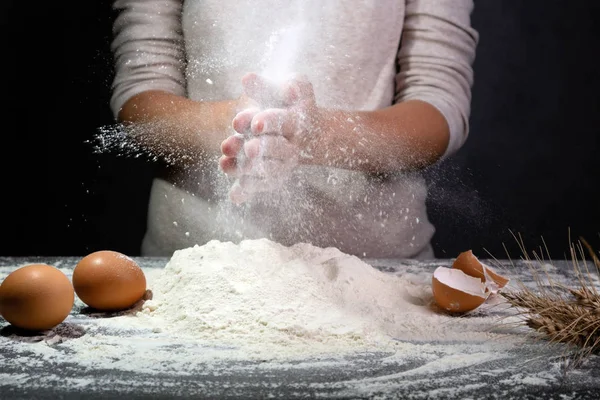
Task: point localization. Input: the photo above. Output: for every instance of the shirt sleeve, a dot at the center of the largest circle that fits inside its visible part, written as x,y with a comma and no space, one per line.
148,49
435,60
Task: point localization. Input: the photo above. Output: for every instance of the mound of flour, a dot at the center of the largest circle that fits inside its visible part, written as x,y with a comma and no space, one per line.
260,294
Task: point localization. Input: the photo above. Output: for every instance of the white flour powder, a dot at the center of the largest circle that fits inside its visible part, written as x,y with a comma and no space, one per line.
267,300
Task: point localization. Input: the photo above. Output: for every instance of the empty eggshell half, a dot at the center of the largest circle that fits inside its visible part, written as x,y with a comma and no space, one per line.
455,291
470,265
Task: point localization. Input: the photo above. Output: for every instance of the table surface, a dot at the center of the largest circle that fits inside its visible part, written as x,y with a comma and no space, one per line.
531,370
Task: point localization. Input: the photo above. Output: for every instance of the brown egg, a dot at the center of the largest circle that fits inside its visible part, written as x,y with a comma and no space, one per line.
36,297
470,265
455,291
109,281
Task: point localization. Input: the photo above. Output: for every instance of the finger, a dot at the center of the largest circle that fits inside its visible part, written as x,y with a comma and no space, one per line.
231,146
298,89
244,165
241,122
229,165
271,147
232,166
235,166
251,185
266,93
268,170
244,102
252,148
237,194
275,171
276,121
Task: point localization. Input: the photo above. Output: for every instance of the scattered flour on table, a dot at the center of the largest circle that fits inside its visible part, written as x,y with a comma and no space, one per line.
222,311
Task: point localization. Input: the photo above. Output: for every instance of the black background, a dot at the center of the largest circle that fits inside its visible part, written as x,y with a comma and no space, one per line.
528,167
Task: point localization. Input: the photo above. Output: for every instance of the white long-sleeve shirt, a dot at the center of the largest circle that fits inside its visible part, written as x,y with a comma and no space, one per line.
361,55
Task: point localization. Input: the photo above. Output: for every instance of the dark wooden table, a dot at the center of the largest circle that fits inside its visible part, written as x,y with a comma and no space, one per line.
527,371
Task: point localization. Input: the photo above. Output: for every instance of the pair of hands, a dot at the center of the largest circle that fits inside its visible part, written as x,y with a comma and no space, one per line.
272,131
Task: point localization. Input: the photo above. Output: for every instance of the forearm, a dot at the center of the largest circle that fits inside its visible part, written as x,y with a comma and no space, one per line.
175,128
409,135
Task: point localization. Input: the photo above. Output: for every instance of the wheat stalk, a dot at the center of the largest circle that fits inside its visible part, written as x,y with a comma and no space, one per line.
561,314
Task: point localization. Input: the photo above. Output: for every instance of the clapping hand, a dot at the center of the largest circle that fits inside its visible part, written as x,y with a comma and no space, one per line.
271,135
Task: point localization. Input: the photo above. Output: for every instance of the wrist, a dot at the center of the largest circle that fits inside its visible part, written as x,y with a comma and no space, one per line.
332,136
314,129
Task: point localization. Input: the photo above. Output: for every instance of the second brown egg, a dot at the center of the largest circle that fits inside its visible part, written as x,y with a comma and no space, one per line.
109,281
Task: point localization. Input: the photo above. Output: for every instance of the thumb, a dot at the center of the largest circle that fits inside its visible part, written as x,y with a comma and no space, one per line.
266,93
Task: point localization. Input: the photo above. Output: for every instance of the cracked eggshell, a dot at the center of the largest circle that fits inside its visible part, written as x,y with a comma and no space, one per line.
470,265
455,291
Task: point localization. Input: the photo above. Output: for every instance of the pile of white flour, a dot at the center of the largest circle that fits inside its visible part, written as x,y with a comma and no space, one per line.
267,300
